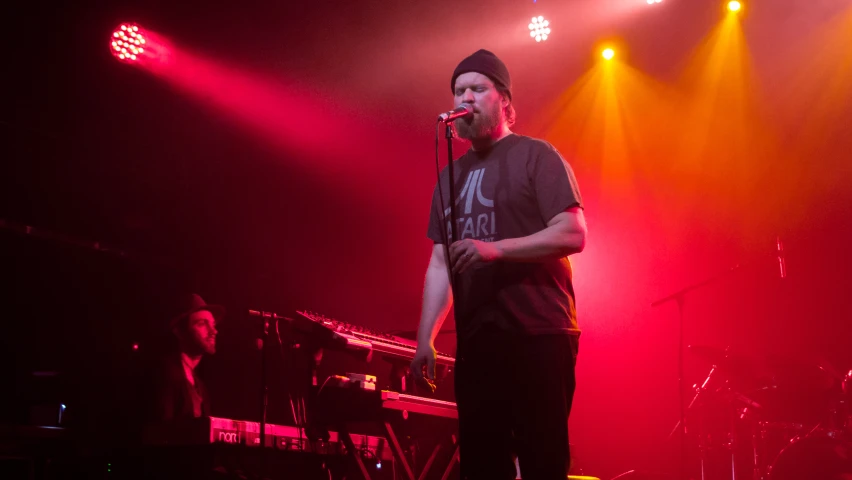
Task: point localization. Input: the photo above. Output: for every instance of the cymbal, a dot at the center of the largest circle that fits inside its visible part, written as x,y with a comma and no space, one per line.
800,373
744,370
776,370
722,358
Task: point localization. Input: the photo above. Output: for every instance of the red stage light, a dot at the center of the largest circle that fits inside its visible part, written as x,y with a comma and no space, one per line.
126,46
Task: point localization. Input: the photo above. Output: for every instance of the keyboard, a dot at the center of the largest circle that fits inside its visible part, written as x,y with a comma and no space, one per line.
424,405
346,336
283,437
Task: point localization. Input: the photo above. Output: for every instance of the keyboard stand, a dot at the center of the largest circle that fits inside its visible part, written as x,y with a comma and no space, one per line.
396,448
398,454
449,468
352,451
454,460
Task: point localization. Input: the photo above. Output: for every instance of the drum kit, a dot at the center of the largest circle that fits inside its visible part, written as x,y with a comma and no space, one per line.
773,418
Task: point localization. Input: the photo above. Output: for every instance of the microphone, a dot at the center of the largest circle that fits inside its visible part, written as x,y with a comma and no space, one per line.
462,110
782,265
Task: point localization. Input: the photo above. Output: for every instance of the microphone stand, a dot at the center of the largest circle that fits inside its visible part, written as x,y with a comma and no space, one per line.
265,319
450,134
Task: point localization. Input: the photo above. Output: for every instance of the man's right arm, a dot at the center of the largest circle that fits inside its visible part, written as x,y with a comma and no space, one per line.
437,299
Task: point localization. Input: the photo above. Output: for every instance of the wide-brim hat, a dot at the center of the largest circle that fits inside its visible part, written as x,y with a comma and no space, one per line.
186,305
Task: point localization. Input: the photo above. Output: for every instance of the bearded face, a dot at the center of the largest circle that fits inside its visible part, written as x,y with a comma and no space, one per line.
480,92
198,335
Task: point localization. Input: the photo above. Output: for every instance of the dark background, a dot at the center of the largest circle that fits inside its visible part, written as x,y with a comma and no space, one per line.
331,215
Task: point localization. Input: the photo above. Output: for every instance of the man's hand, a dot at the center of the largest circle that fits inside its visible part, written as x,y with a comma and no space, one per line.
468,253
424,362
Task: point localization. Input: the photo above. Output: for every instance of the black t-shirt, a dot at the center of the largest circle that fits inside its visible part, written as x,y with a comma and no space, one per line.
511,190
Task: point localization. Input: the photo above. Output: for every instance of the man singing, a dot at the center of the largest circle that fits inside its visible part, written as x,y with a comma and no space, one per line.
520,215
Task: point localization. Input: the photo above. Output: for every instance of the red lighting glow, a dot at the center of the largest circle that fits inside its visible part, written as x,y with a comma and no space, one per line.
127,47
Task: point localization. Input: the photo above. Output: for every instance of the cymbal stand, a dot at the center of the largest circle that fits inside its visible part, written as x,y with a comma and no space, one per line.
702,446
698,392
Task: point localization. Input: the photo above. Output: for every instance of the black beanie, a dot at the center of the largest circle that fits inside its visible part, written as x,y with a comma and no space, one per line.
488,64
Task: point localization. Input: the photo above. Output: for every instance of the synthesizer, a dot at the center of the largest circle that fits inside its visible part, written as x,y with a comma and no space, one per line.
345,336
217,430
423,405
343,399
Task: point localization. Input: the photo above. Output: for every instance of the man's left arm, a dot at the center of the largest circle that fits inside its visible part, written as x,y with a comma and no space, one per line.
564,235
558,199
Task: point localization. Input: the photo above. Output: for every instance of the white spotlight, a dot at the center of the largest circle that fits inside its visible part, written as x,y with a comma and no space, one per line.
539,28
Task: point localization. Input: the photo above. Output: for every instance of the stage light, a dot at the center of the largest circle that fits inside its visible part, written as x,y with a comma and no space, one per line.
735,6
539,28
652,2
125,43
608,53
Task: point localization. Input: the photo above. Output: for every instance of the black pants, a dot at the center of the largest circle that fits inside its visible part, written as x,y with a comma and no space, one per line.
514,395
